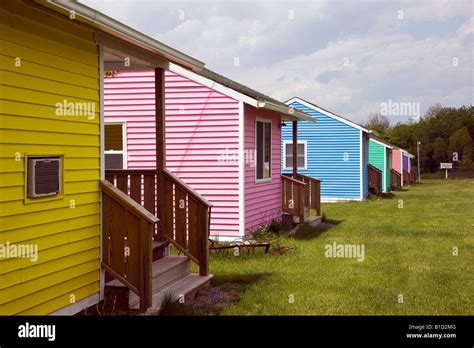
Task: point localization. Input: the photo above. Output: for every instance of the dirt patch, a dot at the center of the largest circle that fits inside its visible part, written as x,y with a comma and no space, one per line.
213,300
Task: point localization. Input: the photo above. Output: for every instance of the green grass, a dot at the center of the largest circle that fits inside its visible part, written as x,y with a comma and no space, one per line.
408,251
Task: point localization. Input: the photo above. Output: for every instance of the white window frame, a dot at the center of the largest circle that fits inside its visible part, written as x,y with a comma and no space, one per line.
264,120
305,143
124,151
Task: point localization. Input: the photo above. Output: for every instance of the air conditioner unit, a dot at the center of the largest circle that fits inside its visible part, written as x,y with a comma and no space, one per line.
44,176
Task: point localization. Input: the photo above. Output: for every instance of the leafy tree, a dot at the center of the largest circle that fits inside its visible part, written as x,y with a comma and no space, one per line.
378,123
460,142
439,149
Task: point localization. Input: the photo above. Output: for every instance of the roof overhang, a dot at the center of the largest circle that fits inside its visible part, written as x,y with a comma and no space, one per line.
327,113
406,153
287,113
119,30
383,143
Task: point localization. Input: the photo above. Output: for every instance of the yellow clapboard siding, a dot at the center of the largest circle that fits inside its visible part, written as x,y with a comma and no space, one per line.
57,253
18,178
60,61
79,228
28,54
11,179
47,99
45,38
41,84
42,112
43,217
65,288
84,157
48,73
15,193
63,301
46,18
44,44
45,281
35,137
44,125
30,273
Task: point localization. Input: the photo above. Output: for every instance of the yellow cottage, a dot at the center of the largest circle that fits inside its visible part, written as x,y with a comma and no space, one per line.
68,228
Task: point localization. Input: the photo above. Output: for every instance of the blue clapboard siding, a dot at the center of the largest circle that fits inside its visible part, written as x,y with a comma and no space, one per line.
328,140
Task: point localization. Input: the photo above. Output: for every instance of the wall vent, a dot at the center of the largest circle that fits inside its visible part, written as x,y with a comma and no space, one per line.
44,176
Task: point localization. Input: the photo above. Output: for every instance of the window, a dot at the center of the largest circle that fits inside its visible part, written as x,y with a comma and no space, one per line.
115,154
263,148
301,160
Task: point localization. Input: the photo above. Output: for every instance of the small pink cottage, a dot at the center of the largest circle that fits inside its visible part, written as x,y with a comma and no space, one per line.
223,139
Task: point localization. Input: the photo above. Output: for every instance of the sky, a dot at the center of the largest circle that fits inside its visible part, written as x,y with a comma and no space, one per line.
352,57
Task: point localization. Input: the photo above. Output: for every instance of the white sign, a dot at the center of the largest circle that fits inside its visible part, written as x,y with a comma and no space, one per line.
446,166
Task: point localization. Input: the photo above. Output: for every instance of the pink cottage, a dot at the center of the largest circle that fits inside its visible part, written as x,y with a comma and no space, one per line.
222,139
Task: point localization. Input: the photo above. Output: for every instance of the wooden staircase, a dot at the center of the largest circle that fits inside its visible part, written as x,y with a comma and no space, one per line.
170,275
135,251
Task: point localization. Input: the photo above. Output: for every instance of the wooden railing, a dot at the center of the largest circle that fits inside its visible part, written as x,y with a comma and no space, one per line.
312,191
187,220
127,232
406,178
185,223
395,179
375,179
292,196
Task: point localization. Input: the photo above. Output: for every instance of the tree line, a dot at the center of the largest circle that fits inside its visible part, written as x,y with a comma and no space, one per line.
446,135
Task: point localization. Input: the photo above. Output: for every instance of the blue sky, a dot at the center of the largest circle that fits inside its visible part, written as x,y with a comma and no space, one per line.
346,56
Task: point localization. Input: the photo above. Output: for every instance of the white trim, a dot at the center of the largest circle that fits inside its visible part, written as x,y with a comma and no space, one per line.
78,306
216,86
226,238
305,143
102,164
385,169
381,143
327,113
339,199
263,120
124,150
241,169
401,167
361,178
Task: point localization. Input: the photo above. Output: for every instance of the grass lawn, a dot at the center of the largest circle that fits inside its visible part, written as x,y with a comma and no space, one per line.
408,251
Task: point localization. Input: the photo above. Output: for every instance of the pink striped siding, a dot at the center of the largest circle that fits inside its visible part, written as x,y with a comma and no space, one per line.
200,124
262,200
396,161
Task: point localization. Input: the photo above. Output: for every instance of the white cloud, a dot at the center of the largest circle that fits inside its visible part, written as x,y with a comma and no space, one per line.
409,59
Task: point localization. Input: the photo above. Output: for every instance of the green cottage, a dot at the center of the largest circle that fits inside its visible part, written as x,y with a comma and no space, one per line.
380,156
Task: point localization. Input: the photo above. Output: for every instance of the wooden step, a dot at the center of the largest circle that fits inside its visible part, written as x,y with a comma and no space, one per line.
169,269
186,287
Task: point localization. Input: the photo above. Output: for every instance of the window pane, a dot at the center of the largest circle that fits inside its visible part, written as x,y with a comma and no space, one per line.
300,149
267,159
259,150
288,161
300,162
113,161
113,137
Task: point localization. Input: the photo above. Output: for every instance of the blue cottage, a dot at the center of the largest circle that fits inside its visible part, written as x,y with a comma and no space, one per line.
333,150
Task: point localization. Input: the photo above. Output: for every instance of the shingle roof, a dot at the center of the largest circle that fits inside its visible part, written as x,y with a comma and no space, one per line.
225,81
